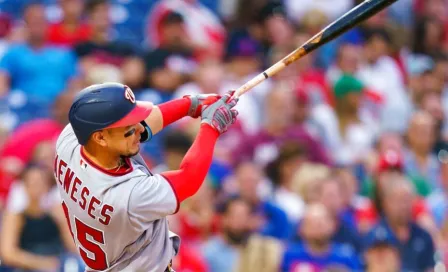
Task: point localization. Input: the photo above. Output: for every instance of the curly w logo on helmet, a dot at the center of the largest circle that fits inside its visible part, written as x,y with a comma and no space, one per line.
129,95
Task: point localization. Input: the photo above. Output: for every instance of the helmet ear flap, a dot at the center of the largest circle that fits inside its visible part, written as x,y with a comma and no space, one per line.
147,134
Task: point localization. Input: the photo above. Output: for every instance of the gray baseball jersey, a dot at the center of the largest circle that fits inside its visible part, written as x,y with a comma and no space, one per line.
117,219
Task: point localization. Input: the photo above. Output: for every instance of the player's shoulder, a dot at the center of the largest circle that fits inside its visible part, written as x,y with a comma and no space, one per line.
140,177
140,183
66,138
66,132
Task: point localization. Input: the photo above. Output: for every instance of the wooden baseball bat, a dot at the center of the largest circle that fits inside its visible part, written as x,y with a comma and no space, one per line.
350,19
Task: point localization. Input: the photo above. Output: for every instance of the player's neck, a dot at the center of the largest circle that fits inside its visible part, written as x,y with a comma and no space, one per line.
103,158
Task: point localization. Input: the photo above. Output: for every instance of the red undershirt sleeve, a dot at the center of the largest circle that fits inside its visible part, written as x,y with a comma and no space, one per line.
194,167
174,110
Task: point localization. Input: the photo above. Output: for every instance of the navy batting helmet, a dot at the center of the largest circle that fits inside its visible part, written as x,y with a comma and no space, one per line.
107,105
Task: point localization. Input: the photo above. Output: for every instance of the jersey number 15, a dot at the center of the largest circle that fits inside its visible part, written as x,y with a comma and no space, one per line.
98,260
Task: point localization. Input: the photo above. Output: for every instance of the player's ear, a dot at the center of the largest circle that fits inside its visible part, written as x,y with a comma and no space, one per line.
99,138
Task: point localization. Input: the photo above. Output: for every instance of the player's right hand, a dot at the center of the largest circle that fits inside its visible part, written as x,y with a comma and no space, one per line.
221,115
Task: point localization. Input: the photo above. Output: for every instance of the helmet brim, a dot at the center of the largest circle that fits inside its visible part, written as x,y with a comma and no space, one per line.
141,111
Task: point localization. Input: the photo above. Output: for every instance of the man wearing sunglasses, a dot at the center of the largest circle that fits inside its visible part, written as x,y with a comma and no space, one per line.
115,207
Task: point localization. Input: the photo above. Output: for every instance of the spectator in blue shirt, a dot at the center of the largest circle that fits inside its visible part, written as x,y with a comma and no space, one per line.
380,252
221,252
40,71
270,220
316,251
331,194
415,245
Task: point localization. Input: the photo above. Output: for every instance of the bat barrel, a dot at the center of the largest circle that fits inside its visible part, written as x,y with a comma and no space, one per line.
353,17
349,20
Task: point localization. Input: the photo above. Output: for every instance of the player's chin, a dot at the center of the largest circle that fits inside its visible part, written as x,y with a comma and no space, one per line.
131,153
134,150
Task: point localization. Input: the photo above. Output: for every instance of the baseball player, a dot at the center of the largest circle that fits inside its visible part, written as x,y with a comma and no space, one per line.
115,208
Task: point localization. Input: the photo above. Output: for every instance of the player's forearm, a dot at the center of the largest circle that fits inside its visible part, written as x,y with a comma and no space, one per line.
194,167
174,110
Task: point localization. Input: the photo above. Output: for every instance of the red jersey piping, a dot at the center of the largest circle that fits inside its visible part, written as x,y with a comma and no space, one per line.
123,170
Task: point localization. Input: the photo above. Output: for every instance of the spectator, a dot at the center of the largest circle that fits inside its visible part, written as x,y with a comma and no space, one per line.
415,245
268,218
38,70
195,222
443,248
332,9
433,8
315,251
302,117
381,254
390,166
262,254
421,79
391,161
441,67
419,161
35,238
428,36
222,251
400,13
349,131
189,259
198,222
331,195
243,62
348,60
101,51
20,146
6,25
438,201
357,210
438,204
307,180
380,72
277,25
71,30
280,172
205,32
170,65
207,79
432,104
18,198
176,145
278,128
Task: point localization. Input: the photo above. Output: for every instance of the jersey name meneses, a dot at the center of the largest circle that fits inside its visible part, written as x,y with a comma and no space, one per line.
117,218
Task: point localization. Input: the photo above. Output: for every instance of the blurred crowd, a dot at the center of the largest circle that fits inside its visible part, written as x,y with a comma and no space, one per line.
337,163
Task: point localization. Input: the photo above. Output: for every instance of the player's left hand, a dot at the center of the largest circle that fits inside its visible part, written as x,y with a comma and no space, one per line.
200,101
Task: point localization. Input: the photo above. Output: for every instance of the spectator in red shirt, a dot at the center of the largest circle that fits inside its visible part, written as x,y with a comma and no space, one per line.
429,34
20,146
205,31
70,30
437,10
189,259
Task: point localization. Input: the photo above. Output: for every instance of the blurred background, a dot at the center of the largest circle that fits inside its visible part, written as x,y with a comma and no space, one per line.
338,163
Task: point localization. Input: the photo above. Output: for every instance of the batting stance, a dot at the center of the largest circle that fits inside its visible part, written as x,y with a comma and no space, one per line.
115,207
